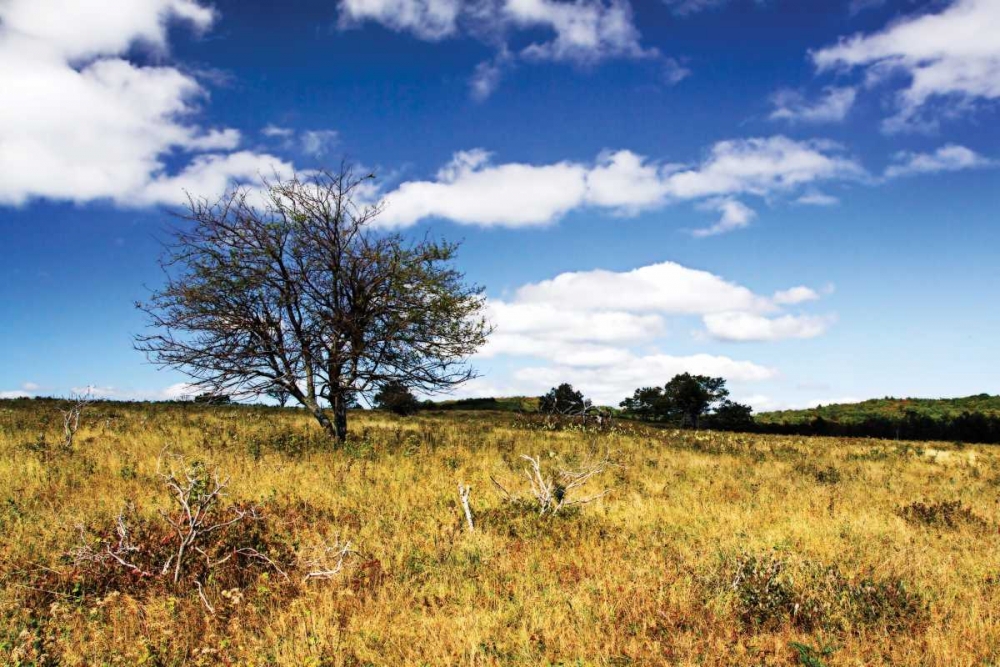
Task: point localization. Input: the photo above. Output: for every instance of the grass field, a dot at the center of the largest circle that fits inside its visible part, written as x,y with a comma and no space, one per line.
708,549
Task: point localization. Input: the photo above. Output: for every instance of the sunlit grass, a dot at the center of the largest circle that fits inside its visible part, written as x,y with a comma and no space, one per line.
645,575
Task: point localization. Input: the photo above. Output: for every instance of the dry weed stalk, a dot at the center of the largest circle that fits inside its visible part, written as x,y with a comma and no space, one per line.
553,492
463,495
329,562
77,403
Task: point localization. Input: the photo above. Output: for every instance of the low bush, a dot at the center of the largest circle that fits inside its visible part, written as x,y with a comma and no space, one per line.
772,590
943,514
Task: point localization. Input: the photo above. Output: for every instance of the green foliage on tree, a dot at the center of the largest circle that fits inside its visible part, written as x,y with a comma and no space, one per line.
397,398
684,400
293,287
563,400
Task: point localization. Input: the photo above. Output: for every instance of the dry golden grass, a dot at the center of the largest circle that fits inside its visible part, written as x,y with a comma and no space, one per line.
710,549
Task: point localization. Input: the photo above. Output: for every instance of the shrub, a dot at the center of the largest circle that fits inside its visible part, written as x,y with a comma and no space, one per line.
943,514
771,590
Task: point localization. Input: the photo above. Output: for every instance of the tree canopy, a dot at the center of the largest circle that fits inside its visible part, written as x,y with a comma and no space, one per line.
397,398
292,286
563,400
684,400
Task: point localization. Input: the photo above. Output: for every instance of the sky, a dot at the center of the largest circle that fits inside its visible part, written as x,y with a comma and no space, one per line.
799,196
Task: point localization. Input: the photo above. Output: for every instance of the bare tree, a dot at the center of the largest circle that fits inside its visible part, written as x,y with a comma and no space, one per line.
553,492
294,286
76,404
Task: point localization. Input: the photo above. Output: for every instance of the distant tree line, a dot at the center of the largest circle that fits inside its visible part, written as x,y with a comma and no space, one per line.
964,427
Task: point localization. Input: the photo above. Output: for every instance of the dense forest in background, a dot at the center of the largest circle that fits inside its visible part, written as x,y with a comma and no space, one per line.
969,419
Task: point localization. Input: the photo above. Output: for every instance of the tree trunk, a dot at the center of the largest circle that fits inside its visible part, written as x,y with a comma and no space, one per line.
324,420
340,417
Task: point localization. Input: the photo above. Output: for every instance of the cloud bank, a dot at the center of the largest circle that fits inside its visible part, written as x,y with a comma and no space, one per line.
80,121
472,189
601,329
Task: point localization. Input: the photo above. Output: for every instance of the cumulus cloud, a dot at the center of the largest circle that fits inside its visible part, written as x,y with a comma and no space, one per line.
427,19
79,120
742,327
832,107
949,60
763,166
734,215
666,287
795,295
211,173
602,328
583,32
471,189
947,158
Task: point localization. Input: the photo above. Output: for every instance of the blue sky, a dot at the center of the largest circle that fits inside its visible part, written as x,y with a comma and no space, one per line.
800,196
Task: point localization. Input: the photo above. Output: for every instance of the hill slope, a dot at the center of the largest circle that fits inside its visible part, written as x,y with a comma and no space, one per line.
888,408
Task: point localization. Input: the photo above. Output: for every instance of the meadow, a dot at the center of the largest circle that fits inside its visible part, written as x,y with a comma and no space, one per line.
706,549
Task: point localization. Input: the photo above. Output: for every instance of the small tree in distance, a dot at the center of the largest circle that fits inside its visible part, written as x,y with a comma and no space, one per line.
691,396
397,398
294,287
731,416
563,400
684,401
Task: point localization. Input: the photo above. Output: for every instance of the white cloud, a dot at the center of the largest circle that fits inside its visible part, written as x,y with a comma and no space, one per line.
666,287
735,215
951,57
674,72
277,131
817,198
947,158
763,166
79,121
30,386
832,107
602,329
174,392
318,142
427,19
743,327
626,182
211,173
583,32
608,385
473,190
16,393
795,295
315,143
85,28
487,75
